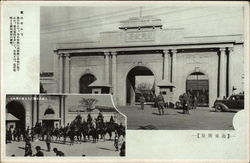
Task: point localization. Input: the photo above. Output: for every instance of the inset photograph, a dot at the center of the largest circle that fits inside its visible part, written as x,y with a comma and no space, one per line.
64,125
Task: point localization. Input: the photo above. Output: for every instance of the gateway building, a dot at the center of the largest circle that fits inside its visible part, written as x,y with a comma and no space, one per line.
210,67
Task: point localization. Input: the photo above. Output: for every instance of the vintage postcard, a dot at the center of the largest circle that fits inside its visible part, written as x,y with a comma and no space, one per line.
125,81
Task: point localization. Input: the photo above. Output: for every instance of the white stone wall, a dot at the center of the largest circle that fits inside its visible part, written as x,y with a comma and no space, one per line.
82,65
237,66
53,101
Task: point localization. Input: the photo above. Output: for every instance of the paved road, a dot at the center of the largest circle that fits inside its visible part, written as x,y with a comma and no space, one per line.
89,149
198,119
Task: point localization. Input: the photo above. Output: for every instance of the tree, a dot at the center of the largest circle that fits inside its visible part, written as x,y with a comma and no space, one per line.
144,86
89,102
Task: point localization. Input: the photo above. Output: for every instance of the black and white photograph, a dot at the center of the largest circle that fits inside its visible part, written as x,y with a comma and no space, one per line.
167,67
133,81
63,125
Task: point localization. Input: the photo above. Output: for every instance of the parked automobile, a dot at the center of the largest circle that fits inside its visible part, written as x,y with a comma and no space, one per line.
233,103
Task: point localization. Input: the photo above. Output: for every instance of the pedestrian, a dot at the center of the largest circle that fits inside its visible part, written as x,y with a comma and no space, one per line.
15,134
160,104
185,103
123,149
18,134
195,102
116,141
48,141
58,153
32,133
39,153
9,135
142,101
27,148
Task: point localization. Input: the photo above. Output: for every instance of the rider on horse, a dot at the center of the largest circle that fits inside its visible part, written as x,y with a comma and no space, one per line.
89,119
100,118
111,120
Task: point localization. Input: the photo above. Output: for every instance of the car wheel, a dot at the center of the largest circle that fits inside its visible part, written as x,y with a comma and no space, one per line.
218,108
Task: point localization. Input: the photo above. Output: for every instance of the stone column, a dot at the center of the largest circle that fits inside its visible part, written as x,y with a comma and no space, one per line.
174,66
114,55
222,72
174,75
62,110
230,73
60,74
106,75
67,74
166,65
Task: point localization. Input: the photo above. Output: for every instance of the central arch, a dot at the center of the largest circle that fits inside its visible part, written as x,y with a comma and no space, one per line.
84,83
17,109
140,80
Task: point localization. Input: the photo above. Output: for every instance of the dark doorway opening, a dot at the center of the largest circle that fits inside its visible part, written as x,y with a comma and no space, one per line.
17,109
85,81
197,84
140,81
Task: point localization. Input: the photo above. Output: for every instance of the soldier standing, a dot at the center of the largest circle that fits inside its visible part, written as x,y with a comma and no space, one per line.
48,140
28,151
160,103
142,101
185,103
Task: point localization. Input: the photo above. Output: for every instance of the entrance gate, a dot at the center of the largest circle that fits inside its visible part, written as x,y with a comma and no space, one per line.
140,81
17,109
197,84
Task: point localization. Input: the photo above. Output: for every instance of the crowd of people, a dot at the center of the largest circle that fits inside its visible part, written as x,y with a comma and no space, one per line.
78,128
186,102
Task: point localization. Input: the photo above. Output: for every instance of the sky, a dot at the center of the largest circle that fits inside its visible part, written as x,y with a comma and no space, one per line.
81,24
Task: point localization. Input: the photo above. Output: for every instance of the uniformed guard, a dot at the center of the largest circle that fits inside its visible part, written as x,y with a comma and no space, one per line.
28,151
48,141
160,103
100,118
142,101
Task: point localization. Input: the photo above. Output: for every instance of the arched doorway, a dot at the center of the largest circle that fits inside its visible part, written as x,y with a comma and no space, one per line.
197,84
140,80
85,81
49,118
17,109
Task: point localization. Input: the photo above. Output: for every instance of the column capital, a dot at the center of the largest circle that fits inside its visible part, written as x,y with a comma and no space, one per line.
67,55
113,53
165,51
231,49
106,53
64,54
174,51
222,49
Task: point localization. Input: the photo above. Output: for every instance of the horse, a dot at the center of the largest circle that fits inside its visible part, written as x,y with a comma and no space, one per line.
56,133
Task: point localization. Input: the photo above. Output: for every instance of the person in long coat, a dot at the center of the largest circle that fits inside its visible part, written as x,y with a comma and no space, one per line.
185,103
142,101
160,104
27,148
48,141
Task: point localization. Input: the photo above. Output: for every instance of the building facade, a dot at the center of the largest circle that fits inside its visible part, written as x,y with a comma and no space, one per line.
209,66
